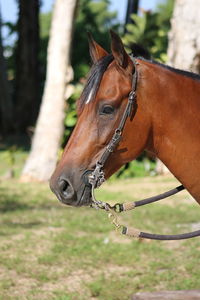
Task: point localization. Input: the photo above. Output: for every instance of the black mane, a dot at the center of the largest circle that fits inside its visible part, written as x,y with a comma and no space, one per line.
98,69
178,71
139,51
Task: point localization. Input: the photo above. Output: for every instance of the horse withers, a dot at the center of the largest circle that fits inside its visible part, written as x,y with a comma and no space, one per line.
165,121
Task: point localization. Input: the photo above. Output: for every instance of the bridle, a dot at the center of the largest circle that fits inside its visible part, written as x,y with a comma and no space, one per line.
97,177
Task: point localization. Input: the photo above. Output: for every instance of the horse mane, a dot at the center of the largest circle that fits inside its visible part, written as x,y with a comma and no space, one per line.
98,69
140,52
178,71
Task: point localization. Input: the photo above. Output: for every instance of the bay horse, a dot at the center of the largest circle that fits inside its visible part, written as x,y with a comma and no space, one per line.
165,120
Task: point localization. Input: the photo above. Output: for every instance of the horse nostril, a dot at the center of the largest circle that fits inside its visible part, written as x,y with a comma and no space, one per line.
66,189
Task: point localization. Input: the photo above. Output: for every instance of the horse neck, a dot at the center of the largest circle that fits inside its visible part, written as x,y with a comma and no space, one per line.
174,105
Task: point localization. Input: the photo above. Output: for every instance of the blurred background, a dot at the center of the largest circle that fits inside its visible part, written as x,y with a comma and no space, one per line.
25,38
49,250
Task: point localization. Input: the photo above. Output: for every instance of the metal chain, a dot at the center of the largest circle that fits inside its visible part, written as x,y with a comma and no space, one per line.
103,205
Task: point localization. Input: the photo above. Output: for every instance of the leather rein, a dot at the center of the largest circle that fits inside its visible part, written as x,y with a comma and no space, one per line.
97,177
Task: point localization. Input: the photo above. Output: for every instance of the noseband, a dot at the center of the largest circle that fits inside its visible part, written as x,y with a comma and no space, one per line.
97,177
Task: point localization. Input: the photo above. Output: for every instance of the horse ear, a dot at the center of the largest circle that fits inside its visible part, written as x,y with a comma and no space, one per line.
118,51
96,51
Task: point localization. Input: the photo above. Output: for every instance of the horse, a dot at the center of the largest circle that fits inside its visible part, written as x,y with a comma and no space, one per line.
164,120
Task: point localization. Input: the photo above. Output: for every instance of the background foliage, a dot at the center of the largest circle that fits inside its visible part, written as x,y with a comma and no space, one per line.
149,29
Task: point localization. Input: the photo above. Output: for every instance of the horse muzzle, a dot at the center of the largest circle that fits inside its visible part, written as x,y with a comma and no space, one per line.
67,192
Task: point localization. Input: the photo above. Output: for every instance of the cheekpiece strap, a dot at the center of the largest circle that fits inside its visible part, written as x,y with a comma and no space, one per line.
97,176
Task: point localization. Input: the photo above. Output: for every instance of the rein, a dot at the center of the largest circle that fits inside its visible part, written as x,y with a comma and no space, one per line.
96,178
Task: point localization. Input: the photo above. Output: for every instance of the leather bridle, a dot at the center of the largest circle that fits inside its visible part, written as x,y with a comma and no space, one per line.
97,177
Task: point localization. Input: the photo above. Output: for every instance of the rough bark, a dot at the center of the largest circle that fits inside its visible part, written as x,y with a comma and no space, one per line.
5,95
184,43
27,65
46,141
184,37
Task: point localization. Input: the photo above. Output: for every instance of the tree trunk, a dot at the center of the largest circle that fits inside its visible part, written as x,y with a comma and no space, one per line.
184,42
184,37
161,169
27,66
6,121
132,8
46,141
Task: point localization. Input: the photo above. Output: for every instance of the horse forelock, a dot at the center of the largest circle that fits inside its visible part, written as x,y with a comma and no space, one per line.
94,80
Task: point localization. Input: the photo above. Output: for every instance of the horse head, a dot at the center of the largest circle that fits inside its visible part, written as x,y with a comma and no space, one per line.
100,109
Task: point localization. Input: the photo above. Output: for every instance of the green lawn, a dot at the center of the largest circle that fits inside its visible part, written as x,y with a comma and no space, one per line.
50,251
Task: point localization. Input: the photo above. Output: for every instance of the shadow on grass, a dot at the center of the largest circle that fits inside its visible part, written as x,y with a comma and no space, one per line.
9,204
21,200
17,225
22,225
12,202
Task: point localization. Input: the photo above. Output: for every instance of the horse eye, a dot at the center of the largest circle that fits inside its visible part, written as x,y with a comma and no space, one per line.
107,110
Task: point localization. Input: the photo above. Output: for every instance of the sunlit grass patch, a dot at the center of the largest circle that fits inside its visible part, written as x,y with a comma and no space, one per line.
51,251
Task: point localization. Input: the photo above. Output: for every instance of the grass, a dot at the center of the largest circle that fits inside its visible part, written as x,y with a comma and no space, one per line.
12,160
51,251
